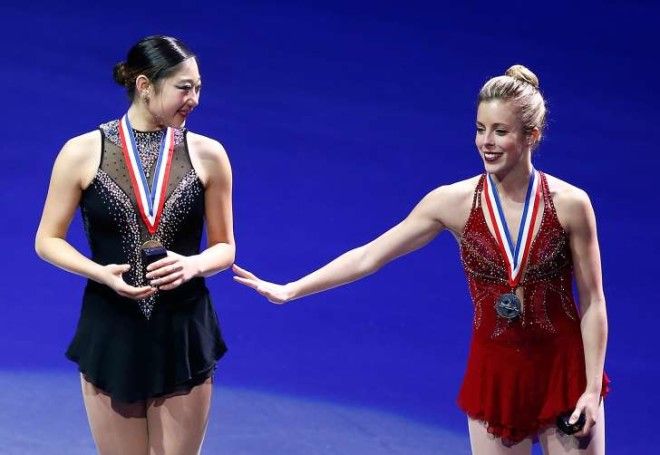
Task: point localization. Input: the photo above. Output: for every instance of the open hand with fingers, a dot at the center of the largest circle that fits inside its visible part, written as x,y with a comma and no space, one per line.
113,279
171,271
276,293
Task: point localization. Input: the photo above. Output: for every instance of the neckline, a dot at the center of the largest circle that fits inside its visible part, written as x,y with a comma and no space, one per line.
544,198
493,240
154,132
545,228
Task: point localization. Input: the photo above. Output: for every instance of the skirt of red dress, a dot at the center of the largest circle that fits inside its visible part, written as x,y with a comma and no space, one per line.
518,391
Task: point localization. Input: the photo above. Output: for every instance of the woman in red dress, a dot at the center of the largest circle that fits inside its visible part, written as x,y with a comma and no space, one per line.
524,237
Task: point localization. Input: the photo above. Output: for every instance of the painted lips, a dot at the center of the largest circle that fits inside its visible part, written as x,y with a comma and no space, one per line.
491,156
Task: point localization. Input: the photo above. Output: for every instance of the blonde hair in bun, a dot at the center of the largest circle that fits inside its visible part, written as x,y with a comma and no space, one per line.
522,73
521,86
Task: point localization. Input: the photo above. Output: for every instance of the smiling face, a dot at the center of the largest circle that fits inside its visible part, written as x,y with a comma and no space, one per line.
175,96
500,139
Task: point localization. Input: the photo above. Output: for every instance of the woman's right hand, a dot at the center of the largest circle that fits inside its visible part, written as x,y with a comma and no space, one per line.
112,277
276,293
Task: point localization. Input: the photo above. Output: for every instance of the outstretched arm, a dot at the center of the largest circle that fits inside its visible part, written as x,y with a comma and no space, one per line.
420,227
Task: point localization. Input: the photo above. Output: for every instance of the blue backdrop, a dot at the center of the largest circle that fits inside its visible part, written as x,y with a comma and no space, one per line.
338,116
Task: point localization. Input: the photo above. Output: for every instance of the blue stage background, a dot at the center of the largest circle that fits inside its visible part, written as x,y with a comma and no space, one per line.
338,117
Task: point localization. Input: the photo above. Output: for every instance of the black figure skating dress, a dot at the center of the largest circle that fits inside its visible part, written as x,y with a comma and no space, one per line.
170,342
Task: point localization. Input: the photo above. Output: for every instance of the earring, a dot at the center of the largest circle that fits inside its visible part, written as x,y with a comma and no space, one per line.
145,96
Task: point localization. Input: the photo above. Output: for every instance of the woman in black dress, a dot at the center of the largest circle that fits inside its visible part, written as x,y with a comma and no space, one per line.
148,338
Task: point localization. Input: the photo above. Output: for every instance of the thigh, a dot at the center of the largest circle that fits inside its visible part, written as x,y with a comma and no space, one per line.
484,443
117,428
554,442
177,423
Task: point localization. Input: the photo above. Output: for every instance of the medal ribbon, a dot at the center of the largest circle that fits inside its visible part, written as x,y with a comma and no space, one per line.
150,201
515,257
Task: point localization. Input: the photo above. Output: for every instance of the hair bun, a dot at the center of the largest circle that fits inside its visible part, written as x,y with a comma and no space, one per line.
522,73
120,74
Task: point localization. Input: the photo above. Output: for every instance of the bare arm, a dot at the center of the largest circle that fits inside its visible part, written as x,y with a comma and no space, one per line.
213,168
73,168
424,222
588,276
221,249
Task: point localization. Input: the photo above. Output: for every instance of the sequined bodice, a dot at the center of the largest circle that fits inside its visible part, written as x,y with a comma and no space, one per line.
114,228
548,306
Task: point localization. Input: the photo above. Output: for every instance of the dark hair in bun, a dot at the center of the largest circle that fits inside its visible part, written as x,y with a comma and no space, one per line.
119,74
154,57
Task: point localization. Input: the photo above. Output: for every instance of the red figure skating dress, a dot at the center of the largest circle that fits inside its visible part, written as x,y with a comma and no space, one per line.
522,373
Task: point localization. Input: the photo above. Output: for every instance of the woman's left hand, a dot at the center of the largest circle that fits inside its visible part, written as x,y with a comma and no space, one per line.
171,271
589,404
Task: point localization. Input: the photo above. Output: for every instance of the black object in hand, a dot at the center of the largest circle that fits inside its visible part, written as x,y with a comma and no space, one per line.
567,428
151,254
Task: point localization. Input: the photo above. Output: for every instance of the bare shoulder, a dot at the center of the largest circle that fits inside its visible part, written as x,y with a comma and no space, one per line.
209,158
455,194
80,157
83,147
205,147
452,202
572,204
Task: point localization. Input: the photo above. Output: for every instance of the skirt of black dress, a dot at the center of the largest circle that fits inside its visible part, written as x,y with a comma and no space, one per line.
132,358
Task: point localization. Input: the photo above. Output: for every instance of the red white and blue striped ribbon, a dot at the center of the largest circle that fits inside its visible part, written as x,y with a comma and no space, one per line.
514,256
150,201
